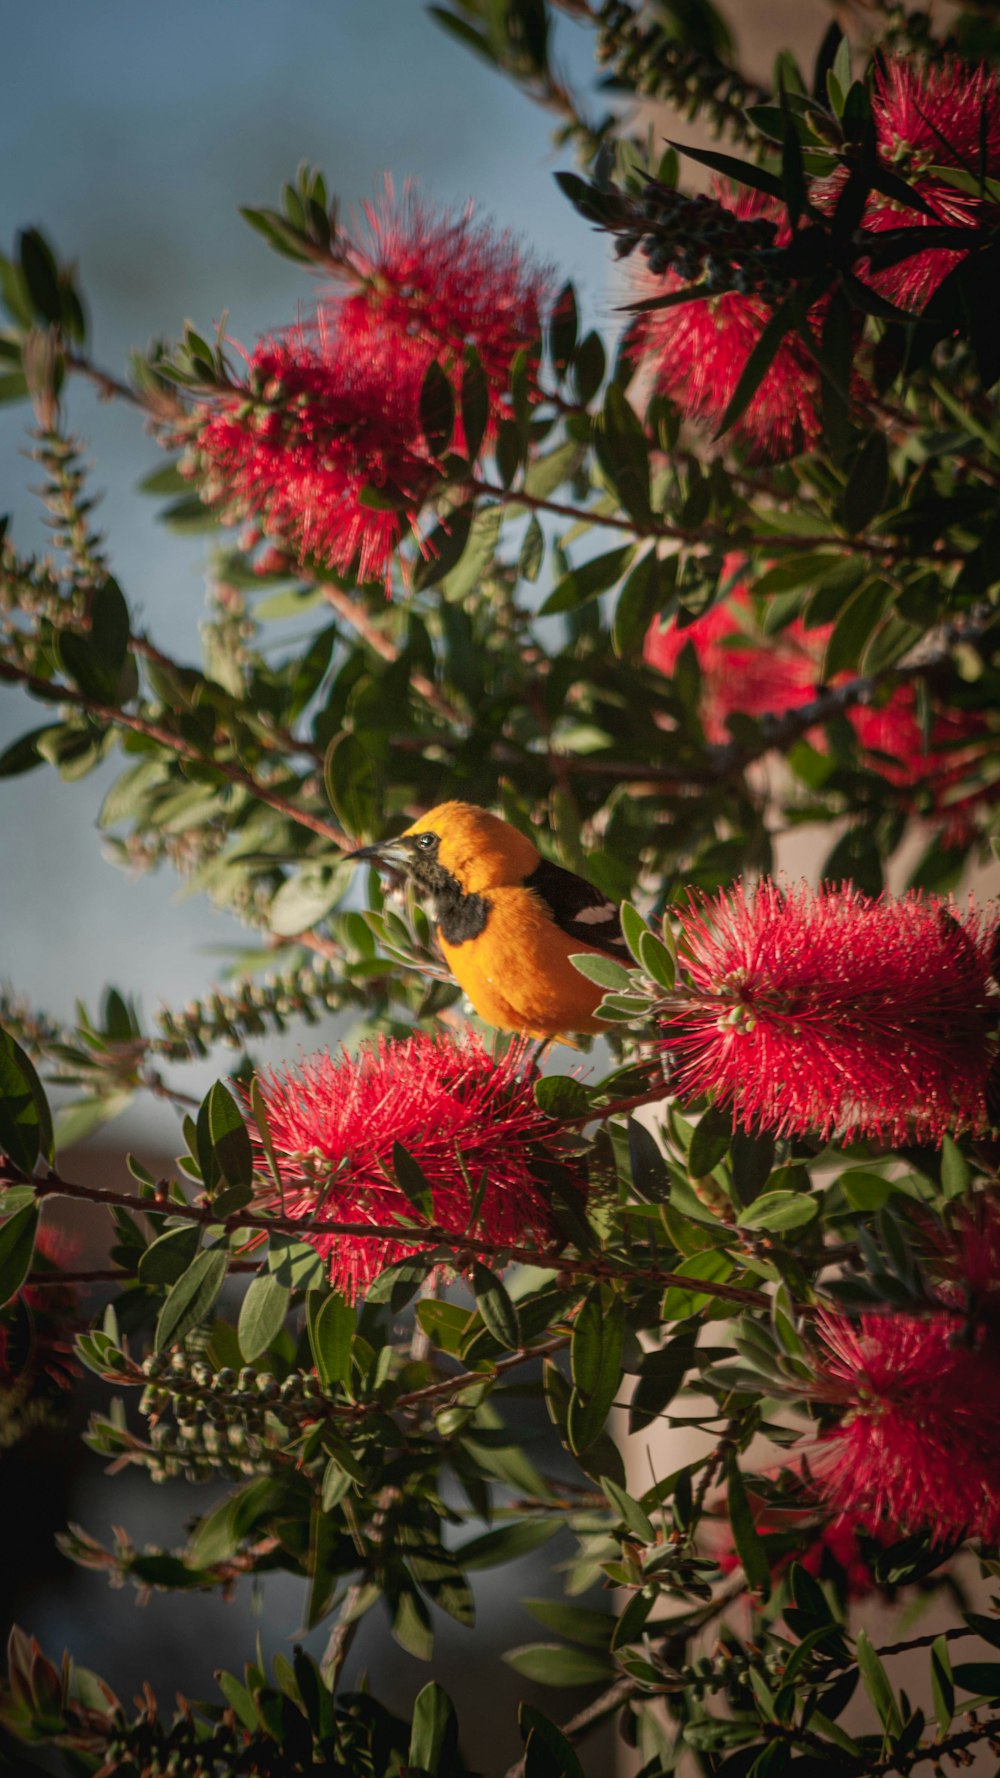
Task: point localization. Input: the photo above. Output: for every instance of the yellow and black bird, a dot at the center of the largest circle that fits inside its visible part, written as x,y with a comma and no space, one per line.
507,920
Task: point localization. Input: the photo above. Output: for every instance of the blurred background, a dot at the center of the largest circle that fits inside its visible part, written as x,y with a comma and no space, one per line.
130,135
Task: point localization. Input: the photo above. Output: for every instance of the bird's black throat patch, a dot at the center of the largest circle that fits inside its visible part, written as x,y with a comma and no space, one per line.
458,916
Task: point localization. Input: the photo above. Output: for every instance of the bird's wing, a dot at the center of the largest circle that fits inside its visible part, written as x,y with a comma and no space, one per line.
579,909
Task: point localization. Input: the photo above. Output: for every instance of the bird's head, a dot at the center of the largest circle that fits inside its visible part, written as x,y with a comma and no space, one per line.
458,846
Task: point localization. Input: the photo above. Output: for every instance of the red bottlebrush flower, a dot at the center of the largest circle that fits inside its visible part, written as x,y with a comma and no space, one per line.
918,1448
741,671
944,114
448,281
323,416
697,352
36,1341
832,1012
334,1123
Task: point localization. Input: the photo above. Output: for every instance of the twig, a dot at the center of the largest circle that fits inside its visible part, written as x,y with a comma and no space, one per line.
154,731
777,541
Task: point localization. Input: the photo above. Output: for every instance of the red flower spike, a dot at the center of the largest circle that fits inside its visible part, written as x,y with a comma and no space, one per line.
697,352
36,1339
334,1122
943,114
835,1013
323,417
447,281
918,1448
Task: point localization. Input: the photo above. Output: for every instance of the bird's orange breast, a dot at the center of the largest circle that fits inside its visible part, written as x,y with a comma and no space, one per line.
517,971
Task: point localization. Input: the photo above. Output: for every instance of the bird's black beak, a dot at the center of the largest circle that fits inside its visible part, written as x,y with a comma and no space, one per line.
391,855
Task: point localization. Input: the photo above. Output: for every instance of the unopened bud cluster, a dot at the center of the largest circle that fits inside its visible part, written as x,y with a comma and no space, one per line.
208,1421
700,241
257,1007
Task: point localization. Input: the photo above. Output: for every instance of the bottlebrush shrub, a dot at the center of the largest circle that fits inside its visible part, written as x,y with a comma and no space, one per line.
918,1447
837,1013
395,1303
467,1118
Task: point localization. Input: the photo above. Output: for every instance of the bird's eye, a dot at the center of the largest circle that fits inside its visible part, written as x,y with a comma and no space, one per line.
426,840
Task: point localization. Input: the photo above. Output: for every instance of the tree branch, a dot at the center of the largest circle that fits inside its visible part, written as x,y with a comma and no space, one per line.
582,1265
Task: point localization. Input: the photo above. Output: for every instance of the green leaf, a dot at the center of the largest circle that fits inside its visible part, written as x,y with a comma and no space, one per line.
475,403
979,1677
433,1727
529,561
109,626
493,1549
867,484
23,755
561,1096
331,1336
412,1182
547,1753
167,1258
650,1177
224,1149
41,275
744,172
437,409
942,1684
17,1246
550,1663
591,578
656,961
602,970
303,900
633,927
572,1620
644,593
622,450
191,1298
596,1365
25,1118
780,323
262,1315
779,1210
710,1142
955,1174
636,1520
662,1373
854,627
878,1687
352,784
495,1307
712,1267
746,1537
